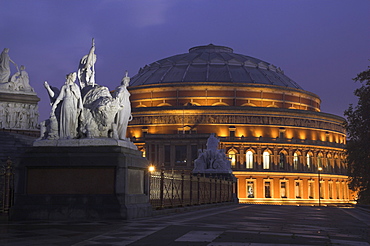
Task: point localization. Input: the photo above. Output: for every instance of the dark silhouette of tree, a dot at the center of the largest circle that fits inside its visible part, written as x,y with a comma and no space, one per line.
358,144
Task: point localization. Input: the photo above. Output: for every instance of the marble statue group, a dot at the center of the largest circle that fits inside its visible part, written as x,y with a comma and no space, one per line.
19,81
16,113
87,110
212,160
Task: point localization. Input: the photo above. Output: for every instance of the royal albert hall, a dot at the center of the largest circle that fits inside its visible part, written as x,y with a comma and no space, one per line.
282,149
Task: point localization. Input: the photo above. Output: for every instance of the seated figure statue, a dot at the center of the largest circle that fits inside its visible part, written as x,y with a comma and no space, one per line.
212,160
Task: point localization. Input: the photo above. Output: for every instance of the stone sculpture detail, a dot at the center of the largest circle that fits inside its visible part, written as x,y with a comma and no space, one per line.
17,113
18,81
212,160
124,115
20,116
86,68
89,111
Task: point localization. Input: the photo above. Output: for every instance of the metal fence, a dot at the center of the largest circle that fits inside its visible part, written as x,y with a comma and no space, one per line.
6,186
177,189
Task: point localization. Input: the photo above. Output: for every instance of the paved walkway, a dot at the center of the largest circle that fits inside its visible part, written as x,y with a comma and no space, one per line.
234,225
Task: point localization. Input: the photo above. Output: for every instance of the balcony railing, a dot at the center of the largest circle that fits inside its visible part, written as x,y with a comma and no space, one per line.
282,140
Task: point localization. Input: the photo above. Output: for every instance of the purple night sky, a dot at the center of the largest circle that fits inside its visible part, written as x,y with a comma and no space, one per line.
321,45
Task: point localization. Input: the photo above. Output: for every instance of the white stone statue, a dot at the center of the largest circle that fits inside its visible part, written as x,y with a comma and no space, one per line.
124,115
52,91
5,66
70,96
212,160
21,80
89,113
86,68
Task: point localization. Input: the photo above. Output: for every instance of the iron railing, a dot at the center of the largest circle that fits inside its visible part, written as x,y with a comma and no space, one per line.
177,189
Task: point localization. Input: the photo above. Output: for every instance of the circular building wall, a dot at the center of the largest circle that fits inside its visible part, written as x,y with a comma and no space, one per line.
272,130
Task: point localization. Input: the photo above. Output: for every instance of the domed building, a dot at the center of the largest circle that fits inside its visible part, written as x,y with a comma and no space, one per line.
279,143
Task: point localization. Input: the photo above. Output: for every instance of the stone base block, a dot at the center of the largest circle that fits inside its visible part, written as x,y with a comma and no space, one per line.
81,183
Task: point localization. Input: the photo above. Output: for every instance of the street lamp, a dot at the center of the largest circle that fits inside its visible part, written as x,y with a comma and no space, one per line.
319,169
151,168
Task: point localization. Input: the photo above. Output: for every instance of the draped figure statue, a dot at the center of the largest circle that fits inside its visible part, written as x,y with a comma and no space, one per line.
4,66
70,96
123,115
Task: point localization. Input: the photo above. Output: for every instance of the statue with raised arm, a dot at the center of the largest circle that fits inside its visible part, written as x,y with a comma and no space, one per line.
4,66
70,97
123,116
86,68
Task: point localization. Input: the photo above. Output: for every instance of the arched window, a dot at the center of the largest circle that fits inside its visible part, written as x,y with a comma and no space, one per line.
266,160
282,161
309,161
329,163
319,160
232,157
249,159
295,161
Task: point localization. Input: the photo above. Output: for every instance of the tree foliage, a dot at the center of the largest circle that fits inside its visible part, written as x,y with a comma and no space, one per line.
358,144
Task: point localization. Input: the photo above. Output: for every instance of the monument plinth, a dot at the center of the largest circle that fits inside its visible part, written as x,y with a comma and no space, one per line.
81,183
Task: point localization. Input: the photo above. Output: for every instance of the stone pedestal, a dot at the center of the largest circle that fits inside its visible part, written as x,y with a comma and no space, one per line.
81,183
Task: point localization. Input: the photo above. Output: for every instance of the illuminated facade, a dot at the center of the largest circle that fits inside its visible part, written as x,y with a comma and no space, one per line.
277,139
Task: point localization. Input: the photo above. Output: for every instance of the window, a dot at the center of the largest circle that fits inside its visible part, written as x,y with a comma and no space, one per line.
282,161
249,159
309,161
338,189
180,154
311,190
319,160
266,160
298,191
232,157
330,190
267,189
295,161
283,189
321,189
250,189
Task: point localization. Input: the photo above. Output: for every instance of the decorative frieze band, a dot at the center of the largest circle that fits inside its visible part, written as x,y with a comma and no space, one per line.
18,116
236,119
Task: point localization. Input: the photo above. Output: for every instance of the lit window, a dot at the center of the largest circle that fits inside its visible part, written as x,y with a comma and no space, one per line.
295,161
232,157
266,160
283,189
249,159
309,161
250,189
319,160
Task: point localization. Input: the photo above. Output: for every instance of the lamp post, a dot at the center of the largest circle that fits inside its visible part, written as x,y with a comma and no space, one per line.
319,169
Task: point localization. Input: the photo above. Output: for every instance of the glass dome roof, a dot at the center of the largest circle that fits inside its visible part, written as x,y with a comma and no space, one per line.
211,63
